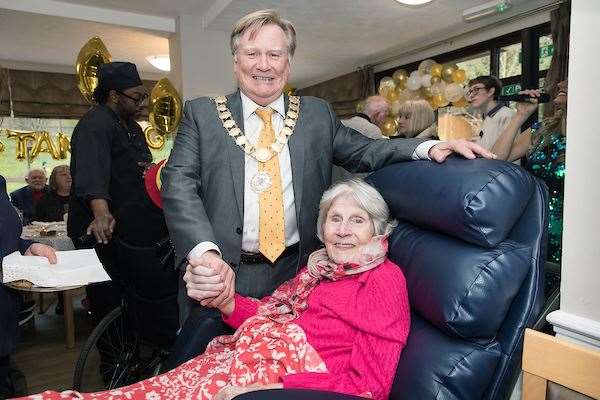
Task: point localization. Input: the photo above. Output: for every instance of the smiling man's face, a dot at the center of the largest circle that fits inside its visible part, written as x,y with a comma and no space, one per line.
262,65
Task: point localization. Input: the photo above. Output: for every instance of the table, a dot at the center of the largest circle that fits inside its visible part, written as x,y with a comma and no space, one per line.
60,242
67,293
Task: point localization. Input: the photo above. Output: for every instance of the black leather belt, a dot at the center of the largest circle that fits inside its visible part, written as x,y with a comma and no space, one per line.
259,258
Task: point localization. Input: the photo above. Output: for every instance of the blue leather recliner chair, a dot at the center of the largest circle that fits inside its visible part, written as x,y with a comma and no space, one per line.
471,243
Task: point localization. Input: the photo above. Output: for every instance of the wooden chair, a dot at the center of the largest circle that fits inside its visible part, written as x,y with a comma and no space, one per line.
547,359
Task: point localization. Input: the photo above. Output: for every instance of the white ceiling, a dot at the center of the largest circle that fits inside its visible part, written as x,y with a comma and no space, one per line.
334,36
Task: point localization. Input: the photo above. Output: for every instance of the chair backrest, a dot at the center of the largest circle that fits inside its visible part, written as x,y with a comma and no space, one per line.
470,244
548,360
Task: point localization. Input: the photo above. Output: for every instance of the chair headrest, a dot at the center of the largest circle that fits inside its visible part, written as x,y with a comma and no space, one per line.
477,201
461,289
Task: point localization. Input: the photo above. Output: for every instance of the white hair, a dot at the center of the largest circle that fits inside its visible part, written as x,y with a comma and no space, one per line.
367,197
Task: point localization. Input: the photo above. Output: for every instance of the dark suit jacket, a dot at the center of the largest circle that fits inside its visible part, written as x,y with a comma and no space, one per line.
203,181
23,200
10,241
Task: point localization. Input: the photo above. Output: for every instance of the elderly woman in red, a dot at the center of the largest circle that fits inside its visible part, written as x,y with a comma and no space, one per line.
339,325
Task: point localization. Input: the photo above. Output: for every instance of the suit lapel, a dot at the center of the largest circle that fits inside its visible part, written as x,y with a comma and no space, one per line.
296,146
236,154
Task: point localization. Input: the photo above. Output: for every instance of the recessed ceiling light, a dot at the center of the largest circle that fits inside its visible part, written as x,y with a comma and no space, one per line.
413,2
160,61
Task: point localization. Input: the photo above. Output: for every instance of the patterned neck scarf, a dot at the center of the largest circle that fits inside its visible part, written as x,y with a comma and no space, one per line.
290,298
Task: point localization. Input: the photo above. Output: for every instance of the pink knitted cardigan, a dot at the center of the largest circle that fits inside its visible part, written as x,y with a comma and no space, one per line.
358,325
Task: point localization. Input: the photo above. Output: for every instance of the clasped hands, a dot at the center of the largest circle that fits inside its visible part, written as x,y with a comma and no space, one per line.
210,281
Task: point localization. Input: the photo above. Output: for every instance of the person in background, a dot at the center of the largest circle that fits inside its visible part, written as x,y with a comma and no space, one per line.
55,202
416,119
109,156
368,122
376,110
544,145
10,241
496,116
339,325
26,198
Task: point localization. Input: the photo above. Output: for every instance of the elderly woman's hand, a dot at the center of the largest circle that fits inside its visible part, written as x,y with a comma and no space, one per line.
229,392
38,249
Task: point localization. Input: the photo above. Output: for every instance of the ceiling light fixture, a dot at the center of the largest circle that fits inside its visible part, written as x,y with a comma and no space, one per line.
413,2
485,10
160,61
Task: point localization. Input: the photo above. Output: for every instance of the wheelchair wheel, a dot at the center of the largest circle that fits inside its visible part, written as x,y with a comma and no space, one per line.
107,357
114,356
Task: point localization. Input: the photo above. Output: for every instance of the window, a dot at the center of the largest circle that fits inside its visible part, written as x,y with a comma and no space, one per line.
476,65
510,61
546,51
15,170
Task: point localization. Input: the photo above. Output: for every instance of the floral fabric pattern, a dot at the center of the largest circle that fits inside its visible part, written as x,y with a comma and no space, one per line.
260,352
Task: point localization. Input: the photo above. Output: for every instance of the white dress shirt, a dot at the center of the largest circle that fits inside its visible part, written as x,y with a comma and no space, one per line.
252,127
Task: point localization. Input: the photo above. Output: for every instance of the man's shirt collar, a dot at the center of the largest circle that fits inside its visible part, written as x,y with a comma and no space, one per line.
249,106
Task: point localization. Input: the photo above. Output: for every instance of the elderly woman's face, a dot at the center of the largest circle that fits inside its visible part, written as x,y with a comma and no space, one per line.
346,229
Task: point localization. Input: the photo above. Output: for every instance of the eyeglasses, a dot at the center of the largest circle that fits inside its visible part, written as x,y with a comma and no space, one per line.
137,101
474,91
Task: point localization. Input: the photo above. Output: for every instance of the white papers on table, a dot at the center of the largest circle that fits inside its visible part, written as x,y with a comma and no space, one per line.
73,268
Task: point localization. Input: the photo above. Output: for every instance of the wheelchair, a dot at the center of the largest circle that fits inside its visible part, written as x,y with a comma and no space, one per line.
131,342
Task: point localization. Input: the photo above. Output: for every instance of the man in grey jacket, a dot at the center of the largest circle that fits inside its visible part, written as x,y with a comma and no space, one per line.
242,186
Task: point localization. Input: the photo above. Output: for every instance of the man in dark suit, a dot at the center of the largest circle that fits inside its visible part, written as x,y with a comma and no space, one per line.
27,197
243,182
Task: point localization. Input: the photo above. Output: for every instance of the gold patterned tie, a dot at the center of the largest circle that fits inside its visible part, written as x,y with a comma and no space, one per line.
271,232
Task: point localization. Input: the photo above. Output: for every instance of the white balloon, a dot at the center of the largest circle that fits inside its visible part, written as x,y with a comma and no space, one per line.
416,73
454,91
387,81
426,80
413,83
438,88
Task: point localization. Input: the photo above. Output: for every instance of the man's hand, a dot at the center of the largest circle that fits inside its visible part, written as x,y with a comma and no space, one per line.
210,280
38,249
102,227
466,148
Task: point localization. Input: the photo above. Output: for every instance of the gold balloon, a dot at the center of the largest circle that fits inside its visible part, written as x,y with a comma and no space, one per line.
154,139
462,102
392,96
436,71
360,106
91,55
439,100
425,92
165,107
388,128
64,145
21,137
2,147
459,76
44,144
447,70
400,76
384,90
435,79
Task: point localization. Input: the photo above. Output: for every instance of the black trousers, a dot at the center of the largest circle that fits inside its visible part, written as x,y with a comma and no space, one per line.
203,324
